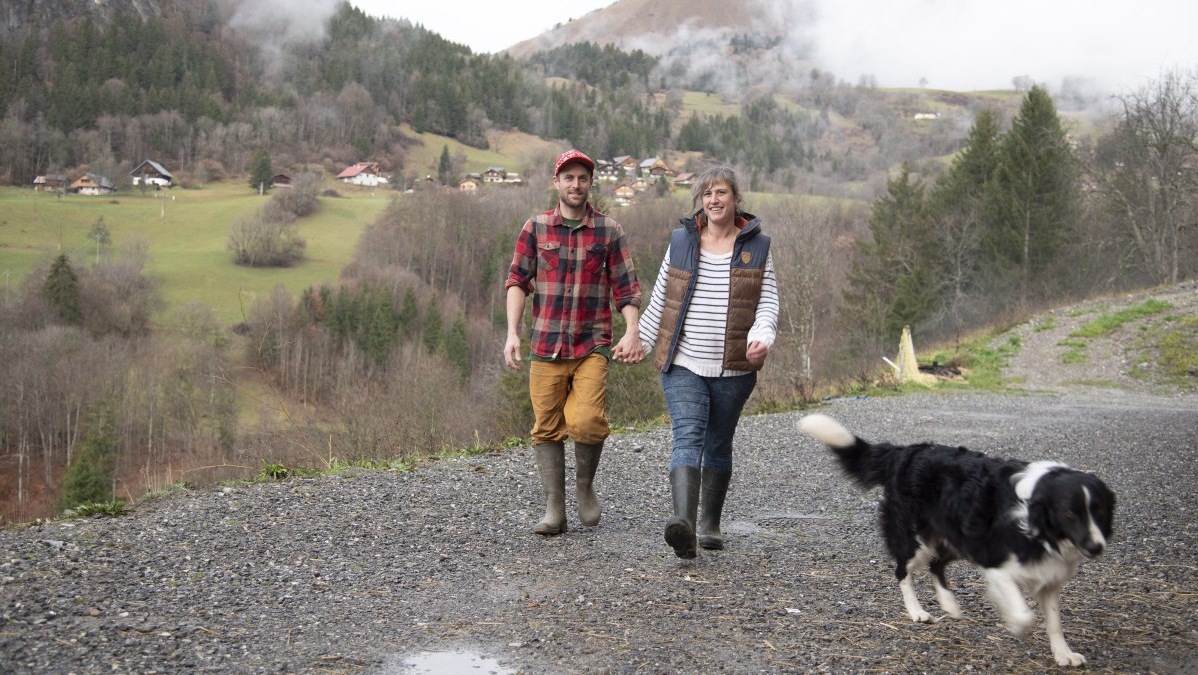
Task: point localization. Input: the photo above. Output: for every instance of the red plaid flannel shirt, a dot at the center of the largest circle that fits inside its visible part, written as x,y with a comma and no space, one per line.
571,274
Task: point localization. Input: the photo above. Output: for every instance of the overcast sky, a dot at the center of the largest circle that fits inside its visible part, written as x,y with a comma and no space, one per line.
953,44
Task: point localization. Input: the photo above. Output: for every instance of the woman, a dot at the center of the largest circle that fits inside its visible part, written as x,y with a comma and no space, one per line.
710,322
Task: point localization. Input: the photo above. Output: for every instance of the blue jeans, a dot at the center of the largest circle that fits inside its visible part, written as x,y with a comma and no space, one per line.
704,412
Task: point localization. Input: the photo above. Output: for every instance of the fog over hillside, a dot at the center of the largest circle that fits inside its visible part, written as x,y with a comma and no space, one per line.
1099,46
275,24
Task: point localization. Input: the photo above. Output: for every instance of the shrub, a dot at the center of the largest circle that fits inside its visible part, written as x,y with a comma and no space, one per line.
264,242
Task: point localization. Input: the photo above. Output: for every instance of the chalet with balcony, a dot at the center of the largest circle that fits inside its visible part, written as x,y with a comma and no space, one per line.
606,171
654,169
625,195
626,164
92,184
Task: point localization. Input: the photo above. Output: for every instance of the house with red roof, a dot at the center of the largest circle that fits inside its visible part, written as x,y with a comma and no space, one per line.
363,173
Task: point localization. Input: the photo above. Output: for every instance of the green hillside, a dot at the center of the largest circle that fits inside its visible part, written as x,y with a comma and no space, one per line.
187,232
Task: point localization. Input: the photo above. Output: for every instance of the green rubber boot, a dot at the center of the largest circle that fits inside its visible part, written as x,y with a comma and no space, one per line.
551,463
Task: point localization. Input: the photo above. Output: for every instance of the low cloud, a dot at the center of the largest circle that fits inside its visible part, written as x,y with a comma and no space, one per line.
277,24
981,44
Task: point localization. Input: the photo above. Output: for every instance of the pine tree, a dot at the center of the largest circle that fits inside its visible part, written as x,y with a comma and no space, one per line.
338,323
1035,197
409,310
432,325
90,476
62,290
445,166
457,347
262,172
957,217
380,334
890,284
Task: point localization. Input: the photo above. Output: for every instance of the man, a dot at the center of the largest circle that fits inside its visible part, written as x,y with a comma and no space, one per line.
574,261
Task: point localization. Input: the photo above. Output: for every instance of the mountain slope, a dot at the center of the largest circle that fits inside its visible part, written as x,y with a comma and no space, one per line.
728,42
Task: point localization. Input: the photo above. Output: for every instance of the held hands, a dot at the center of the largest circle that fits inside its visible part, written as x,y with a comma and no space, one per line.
629,349
756,353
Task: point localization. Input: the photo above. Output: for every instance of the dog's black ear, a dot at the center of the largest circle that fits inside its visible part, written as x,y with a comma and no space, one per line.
1039,517
1103,509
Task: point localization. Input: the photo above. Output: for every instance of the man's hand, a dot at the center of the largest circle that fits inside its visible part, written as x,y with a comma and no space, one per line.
511,352
756,353
629,349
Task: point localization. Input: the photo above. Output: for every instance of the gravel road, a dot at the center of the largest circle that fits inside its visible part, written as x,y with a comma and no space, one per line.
378,571
358,572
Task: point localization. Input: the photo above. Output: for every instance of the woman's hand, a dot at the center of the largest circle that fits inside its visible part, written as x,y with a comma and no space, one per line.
756,353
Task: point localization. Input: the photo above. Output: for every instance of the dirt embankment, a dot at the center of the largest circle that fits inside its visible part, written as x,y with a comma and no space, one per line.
1052,357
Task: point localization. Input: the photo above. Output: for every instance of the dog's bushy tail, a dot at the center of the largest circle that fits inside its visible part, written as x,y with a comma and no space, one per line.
852,452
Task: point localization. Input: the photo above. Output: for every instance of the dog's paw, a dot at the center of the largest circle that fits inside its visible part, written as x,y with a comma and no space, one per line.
922,617
1069,658
1019,624
948,602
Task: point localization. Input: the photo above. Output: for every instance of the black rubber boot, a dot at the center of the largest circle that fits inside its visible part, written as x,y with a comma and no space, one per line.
586,463
711,505
551,463
680,530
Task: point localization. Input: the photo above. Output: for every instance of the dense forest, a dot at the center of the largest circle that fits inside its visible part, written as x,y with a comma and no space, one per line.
190,90
983,213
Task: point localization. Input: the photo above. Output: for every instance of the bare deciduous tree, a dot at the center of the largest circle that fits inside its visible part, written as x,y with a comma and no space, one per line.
1148,171
802,236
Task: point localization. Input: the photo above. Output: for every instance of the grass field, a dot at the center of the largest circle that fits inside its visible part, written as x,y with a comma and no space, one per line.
511,150
187,232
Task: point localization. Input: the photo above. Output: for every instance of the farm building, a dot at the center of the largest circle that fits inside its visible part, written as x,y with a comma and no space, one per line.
363,173
50,181
152,173
92,184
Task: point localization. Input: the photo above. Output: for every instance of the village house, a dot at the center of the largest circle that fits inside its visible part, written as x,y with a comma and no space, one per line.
606,171
92,184
49,182
468,185
280,180
513,178
626,164
684,179
653,169
152,173
494,174
625,195
363,173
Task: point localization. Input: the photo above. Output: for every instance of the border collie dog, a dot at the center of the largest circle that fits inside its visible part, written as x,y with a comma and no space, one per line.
1027,526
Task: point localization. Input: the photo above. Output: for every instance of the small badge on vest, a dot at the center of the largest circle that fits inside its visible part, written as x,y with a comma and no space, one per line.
745,257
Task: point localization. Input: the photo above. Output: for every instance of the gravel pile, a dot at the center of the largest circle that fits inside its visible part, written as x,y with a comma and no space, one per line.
359,572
